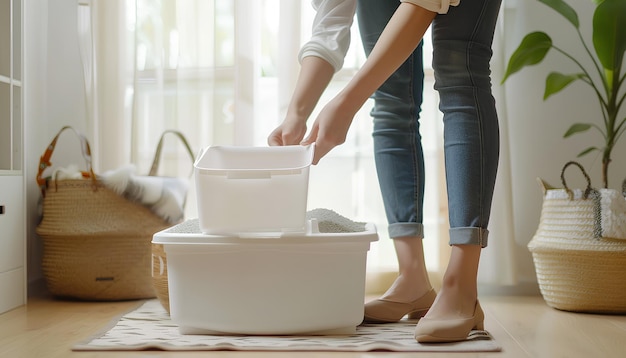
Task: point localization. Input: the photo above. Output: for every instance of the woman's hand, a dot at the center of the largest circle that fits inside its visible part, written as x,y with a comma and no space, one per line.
330,127
290,132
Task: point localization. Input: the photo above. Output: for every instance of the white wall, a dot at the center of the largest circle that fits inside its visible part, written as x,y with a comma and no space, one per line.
536,128
54,97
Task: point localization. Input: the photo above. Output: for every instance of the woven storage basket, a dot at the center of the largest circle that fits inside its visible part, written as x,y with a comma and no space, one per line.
97,244
577,271
159,275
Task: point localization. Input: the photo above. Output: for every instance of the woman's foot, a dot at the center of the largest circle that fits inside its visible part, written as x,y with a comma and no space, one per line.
455,311
411,292
386,311
429,330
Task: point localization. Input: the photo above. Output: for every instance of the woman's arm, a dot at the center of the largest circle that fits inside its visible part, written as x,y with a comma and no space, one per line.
320,58
315,74
401,36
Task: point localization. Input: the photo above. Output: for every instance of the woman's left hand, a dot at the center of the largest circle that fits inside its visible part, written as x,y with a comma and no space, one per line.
330,127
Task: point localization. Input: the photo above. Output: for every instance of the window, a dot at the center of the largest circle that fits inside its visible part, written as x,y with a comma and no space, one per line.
222,74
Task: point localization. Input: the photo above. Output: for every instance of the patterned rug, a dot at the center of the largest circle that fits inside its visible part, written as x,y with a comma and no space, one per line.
150,328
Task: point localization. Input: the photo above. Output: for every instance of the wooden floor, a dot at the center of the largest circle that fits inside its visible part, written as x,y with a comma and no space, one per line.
523,326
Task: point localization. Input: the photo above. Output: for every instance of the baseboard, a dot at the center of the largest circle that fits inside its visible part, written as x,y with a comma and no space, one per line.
520,289
37,288
12,292
377,282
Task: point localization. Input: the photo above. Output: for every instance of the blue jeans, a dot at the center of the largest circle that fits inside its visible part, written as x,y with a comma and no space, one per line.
462,50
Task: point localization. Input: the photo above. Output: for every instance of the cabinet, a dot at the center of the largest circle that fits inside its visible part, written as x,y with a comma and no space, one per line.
12,196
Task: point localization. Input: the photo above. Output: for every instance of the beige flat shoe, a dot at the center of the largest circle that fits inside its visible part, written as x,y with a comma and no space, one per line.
386,311
449,330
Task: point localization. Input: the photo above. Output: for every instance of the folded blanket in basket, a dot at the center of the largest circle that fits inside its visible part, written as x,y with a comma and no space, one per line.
165,196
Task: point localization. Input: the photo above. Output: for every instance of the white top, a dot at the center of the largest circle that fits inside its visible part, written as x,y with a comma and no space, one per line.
438,6
331,31
331,27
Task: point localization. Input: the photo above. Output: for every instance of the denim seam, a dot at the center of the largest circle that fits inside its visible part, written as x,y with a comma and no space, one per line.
480,128
413,126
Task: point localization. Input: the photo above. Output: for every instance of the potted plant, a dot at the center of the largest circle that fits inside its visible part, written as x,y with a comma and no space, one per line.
605,76
579,264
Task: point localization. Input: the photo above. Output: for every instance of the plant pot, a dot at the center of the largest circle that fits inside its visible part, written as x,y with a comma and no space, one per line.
576,270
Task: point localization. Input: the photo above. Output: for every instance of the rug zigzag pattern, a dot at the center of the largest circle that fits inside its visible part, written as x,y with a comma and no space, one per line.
149,327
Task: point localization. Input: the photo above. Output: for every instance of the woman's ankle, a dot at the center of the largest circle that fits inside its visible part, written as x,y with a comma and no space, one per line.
407,288
459,289
412,281
462,271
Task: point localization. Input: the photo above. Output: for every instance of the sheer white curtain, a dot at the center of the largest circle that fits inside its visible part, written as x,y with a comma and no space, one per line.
222,72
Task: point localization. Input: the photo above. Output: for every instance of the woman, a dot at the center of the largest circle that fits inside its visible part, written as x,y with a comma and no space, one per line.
462,37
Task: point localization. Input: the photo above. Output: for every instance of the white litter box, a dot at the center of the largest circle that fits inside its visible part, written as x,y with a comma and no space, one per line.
311,283
252,190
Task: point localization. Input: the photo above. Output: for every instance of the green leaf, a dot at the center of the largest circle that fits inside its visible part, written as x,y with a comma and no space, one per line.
587,151
556,81
609,33
564,9
531,51
576,128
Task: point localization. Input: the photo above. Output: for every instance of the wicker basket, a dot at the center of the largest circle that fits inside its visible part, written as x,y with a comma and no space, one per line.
96,243
583,276
159,275
577,271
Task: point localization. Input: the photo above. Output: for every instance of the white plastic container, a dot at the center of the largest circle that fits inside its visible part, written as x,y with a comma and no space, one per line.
247,191
309,284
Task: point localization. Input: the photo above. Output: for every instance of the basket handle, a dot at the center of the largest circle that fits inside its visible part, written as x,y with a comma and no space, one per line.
44,160
157,155
588,189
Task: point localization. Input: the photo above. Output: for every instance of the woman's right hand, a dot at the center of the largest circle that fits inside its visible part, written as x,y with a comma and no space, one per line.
289,132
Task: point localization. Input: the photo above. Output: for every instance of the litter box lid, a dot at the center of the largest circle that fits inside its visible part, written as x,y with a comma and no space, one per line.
189,232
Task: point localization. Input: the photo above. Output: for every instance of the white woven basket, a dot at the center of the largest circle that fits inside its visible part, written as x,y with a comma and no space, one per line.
575,270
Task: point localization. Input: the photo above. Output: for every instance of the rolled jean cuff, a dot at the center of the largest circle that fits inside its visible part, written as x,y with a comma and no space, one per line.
406,229
469,236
